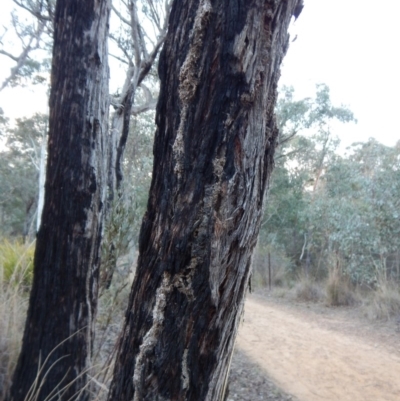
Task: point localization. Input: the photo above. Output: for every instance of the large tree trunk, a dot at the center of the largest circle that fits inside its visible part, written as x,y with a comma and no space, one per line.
215,140
58,337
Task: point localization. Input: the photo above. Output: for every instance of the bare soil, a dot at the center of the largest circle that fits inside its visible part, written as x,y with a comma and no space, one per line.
311,352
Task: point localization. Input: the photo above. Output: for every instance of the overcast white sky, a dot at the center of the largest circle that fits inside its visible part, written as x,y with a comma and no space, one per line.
354,47
351,45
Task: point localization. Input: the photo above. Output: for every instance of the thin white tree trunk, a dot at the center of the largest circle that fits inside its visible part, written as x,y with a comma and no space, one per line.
42,179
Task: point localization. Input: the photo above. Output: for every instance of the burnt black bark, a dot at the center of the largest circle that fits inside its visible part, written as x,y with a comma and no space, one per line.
57,342
213,155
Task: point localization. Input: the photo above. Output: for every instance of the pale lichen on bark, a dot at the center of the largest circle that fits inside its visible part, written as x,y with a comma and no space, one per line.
185,376
188,76
222,223
151,337
183,281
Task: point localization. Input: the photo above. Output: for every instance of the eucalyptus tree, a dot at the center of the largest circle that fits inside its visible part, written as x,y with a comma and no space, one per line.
55,359
340,210
214,146
307,148
142,26
19,171
30,32
363,189
137,35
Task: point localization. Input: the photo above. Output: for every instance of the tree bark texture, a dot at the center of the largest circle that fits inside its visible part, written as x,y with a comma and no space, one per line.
215,140
57,342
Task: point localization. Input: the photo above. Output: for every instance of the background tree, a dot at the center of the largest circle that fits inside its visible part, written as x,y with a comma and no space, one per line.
135,44
32,26
138,49
123,225
138,32
214,145
307,147
57,342
19,171
331,210
362,190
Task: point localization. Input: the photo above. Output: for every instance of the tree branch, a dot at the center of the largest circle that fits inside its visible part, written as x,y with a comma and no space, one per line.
122,48
119,15
149,104
135,33
21,59
287,138
118,58
36,13
9,55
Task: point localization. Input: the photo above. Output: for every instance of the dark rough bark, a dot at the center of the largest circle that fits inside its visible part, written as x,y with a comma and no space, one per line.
215,140
59,328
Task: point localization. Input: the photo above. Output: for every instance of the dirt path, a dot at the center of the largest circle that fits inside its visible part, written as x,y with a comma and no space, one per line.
314,358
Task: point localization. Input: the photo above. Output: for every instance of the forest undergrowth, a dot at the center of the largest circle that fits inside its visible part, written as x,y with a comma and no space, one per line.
379,303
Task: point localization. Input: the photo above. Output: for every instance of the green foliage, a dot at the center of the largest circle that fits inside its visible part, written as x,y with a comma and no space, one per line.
138,166
19,165
323,205
120,236
313,116
306,148
123,224
361,211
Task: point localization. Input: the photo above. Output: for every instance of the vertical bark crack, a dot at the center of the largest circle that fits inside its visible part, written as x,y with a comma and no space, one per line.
188,78
151,337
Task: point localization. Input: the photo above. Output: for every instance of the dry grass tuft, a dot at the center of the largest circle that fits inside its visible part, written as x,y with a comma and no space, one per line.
384,303
16,270
16,261
339,291
307,290
279,263
15,276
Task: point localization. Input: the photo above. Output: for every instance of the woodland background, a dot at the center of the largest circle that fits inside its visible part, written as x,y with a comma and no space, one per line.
331,225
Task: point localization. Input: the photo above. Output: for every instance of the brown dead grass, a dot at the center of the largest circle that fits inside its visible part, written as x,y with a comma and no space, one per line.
339,290
307,290
384,302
